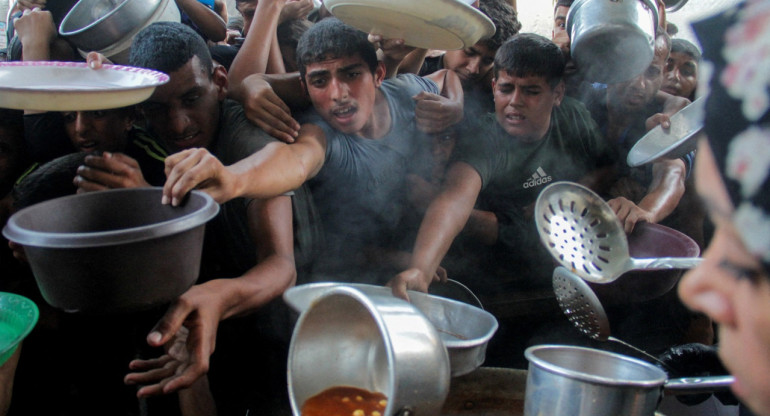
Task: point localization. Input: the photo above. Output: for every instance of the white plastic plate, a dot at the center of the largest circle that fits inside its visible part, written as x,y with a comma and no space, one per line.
431,24
72,86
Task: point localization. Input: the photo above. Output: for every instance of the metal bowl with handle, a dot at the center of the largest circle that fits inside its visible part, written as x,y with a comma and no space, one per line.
113,251
92,25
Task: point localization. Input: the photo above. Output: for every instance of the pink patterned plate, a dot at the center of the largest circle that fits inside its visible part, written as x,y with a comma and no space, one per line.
73,86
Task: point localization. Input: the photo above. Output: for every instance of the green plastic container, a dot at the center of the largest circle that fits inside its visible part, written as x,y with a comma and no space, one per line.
18,315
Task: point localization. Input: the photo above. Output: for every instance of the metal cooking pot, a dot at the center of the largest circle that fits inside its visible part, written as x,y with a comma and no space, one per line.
612,40
113,251
377,343
93,25
464,329
576,381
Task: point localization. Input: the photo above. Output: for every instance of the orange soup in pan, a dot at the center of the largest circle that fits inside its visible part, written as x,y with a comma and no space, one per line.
345,401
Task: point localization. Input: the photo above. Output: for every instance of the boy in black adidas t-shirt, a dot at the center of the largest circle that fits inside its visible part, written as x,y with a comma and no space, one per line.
536,136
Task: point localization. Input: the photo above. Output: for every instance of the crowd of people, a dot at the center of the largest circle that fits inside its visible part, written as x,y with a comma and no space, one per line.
342,156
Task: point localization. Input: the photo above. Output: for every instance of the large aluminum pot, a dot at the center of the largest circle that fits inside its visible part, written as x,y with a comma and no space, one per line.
92,25
377,343
113,251
464,329
612,40
577,381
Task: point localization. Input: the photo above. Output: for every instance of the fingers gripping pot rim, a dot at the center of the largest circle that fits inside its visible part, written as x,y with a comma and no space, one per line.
378,343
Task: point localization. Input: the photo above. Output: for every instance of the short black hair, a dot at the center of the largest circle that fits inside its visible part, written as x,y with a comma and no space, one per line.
528,54
686,47
562,3
506,21
51,180
329,39
168,46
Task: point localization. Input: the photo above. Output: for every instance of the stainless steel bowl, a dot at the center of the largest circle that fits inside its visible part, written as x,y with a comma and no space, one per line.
93,25
464,329
113,251
377,343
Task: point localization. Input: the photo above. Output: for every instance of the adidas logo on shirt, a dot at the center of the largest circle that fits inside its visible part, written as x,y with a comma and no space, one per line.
538,178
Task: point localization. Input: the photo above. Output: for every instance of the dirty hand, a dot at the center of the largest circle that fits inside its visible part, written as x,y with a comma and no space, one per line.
412,279
188,331
197,169
392,49
109,171
434,113
265,109
658,119
629,213
295,9
35,27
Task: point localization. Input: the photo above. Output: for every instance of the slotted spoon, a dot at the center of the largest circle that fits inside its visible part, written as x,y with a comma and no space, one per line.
584,310
583,233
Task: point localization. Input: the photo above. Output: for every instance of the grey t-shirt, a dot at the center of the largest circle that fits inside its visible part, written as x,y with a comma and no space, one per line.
230,249
360,190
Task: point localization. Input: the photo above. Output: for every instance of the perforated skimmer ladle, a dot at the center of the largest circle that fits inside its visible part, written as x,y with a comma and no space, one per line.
584,310
583,233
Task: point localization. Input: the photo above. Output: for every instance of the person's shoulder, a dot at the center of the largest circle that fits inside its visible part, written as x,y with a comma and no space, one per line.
238,137
409,84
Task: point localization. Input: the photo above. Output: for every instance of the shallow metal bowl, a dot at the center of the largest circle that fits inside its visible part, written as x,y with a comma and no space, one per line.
113,251
465,330
92,25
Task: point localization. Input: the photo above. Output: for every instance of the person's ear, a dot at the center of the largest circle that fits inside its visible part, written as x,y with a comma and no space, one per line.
379,74
559,91
219,78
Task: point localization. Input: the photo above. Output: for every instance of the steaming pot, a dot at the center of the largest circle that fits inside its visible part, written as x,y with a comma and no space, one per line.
612,40
377,343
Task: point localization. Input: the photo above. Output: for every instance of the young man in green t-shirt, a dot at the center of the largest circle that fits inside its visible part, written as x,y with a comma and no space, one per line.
536,136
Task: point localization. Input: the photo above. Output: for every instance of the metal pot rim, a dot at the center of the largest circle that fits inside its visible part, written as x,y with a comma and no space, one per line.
374,313
653,382
93,24
12,231
578,3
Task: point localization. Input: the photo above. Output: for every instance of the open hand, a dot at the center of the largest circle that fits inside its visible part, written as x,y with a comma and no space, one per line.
265,109
109,171
197,169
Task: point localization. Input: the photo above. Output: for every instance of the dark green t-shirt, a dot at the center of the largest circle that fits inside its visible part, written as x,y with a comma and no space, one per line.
513,173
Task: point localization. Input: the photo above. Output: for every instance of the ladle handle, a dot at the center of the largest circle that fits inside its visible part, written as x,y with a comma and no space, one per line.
694,385
666,263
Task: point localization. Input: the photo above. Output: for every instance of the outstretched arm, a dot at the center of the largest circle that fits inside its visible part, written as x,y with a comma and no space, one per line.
274,170
662,197
445,218
207,20
199,310
253,56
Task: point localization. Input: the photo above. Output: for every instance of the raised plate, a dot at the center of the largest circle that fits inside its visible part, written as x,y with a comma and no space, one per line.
431,24
679,140
72,86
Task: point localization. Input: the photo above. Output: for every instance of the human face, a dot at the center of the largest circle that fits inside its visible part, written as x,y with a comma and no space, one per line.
681,75
247,10
634,95
343,91
101,130
470,64
732,289
523,104
185,111
559,34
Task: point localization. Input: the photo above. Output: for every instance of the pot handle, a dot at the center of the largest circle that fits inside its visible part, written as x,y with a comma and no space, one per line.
693,385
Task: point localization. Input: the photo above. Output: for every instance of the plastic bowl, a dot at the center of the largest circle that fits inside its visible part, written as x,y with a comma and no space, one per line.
119,250
18,315
648,241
